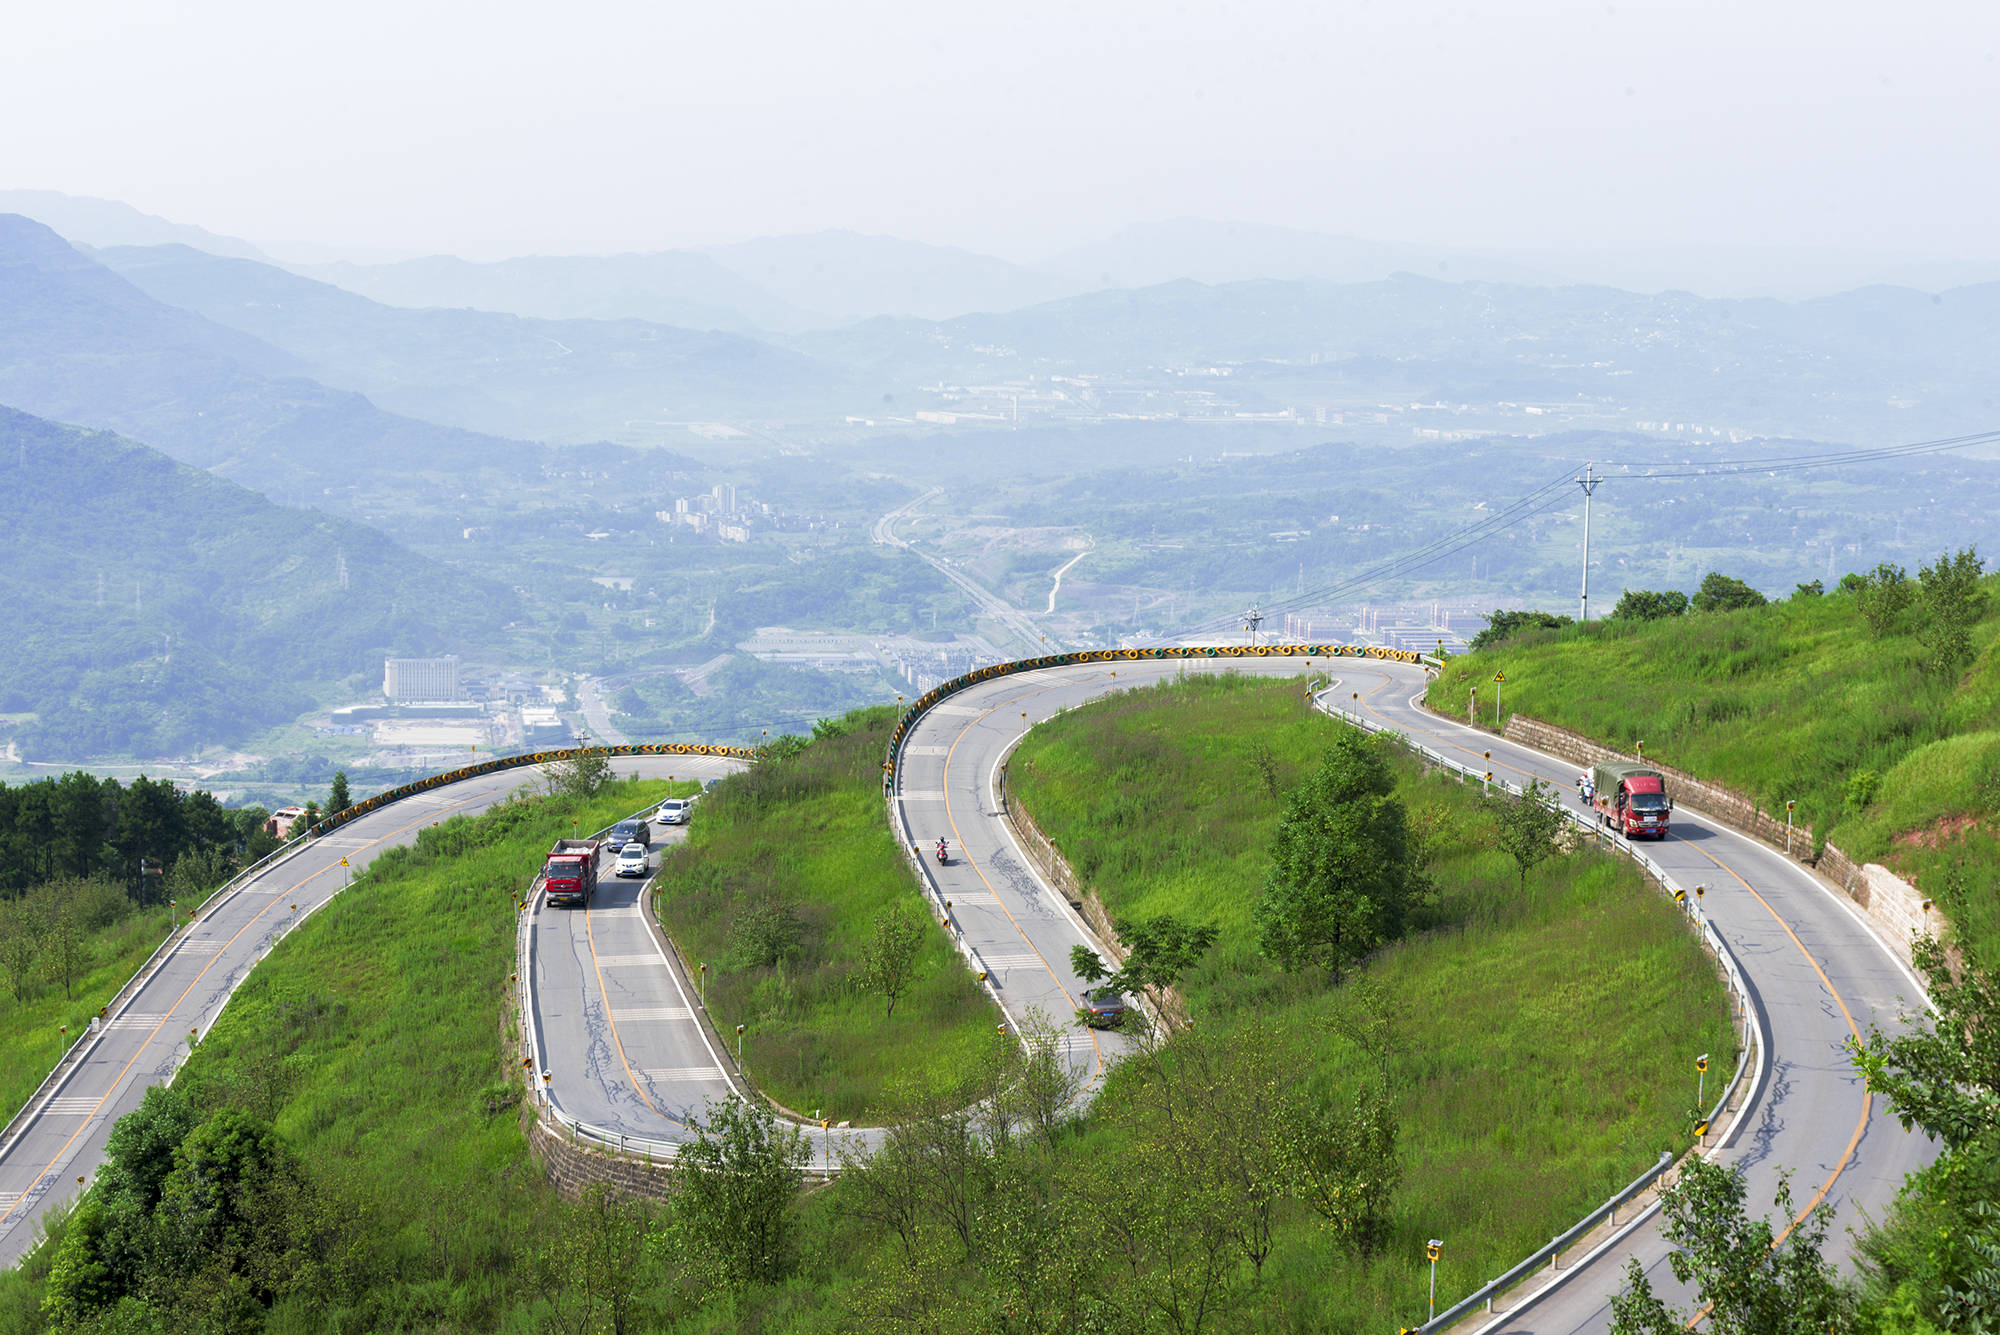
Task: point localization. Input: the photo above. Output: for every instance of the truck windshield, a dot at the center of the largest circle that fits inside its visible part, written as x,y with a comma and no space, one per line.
1648,804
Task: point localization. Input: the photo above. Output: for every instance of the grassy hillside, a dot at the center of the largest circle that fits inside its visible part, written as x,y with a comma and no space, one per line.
1797,700
786,870
1527,1086
158,608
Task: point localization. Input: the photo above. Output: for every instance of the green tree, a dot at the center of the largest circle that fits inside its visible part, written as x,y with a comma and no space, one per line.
1158,953
1646,605
1504,625
889,961
733,1217
578,775
1942,1074
1343,875
1951,606
1047,1082
1528,823
1342,1162
1881,596
1724,593
337,799
1813,590
64,934
1746,1284
20,945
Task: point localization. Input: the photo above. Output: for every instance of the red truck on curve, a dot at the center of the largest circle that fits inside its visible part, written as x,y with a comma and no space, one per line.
569,874
1631,799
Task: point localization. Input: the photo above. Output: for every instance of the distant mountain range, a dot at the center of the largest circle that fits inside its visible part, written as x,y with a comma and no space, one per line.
80,344
155,608
565,381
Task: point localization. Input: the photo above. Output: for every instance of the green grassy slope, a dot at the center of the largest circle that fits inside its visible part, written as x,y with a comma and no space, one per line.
1542,1046
794,861
1797,700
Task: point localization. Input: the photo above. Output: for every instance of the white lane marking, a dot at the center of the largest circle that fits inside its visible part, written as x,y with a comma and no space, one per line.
10,1199
926,795
959,711
650,960
681,1074
135,1020
81,1105
200,947
983,898
926,750
338,841
1025,959
647,1014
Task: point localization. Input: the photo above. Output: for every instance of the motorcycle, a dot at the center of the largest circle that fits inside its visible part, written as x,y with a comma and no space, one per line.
943,854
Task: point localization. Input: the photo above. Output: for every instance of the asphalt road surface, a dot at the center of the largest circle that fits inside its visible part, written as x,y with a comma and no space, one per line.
146,1040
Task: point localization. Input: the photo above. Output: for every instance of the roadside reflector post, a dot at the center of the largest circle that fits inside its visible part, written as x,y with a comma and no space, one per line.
1432,1249
739,1044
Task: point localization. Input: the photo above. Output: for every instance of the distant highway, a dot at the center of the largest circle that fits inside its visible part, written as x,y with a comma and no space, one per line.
992,604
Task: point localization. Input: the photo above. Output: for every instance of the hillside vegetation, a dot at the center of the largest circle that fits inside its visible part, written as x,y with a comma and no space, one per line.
1525,1087
158,608
786,874
1888,757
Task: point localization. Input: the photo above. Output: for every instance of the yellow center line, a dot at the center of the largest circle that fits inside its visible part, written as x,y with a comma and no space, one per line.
590,933
1097,1052
124,1070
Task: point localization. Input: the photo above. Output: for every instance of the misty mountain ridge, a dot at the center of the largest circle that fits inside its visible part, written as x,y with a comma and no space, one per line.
566,381
672,287
108,222
80,344
157,608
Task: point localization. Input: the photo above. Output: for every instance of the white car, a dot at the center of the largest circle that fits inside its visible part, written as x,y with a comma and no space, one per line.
674,811
632,860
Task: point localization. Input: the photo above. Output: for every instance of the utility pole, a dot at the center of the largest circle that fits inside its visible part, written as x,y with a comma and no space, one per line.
1251,620
1588,482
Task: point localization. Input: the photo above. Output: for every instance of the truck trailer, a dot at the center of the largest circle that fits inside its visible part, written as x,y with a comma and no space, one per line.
1631,799
569,873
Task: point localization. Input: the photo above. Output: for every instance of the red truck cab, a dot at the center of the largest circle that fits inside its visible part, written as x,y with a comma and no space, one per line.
1632,799
569,875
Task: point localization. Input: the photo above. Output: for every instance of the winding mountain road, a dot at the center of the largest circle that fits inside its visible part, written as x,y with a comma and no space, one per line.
620,1031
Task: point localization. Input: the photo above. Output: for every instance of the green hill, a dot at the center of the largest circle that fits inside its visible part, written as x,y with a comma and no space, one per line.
155,608
1798,700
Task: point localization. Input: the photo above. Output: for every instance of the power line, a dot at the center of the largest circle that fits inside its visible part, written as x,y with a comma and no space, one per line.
1555,492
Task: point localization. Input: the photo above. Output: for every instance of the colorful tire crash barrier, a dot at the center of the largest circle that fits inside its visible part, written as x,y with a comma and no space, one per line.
500,763
1116,656
903,725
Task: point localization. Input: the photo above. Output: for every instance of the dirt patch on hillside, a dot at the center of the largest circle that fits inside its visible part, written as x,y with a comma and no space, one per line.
1942,831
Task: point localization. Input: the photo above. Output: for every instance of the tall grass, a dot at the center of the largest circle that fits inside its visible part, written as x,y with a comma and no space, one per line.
798,848
1542,1047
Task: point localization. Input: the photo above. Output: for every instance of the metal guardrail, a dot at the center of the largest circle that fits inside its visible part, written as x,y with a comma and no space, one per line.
1755,1039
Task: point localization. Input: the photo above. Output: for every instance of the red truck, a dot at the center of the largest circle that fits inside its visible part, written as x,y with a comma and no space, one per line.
569,875
1631,799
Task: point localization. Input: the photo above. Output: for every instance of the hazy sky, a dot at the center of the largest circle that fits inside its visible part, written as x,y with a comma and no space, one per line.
1018,128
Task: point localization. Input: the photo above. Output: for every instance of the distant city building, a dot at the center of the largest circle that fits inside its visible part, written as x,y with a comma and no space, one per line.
416,679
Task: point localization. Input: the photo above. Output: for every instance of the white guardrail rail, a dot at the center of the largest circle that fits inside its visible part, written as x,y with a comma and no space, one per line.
1754,1040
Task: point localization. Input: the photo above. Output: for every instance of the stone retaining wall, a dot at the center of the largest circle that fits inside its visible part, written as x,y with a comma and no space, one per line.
571,1168
1891,902
1057,872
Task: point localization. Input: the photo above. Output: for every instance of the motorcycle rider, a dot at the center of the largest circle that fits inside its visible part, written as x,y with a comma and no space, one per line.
943,853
